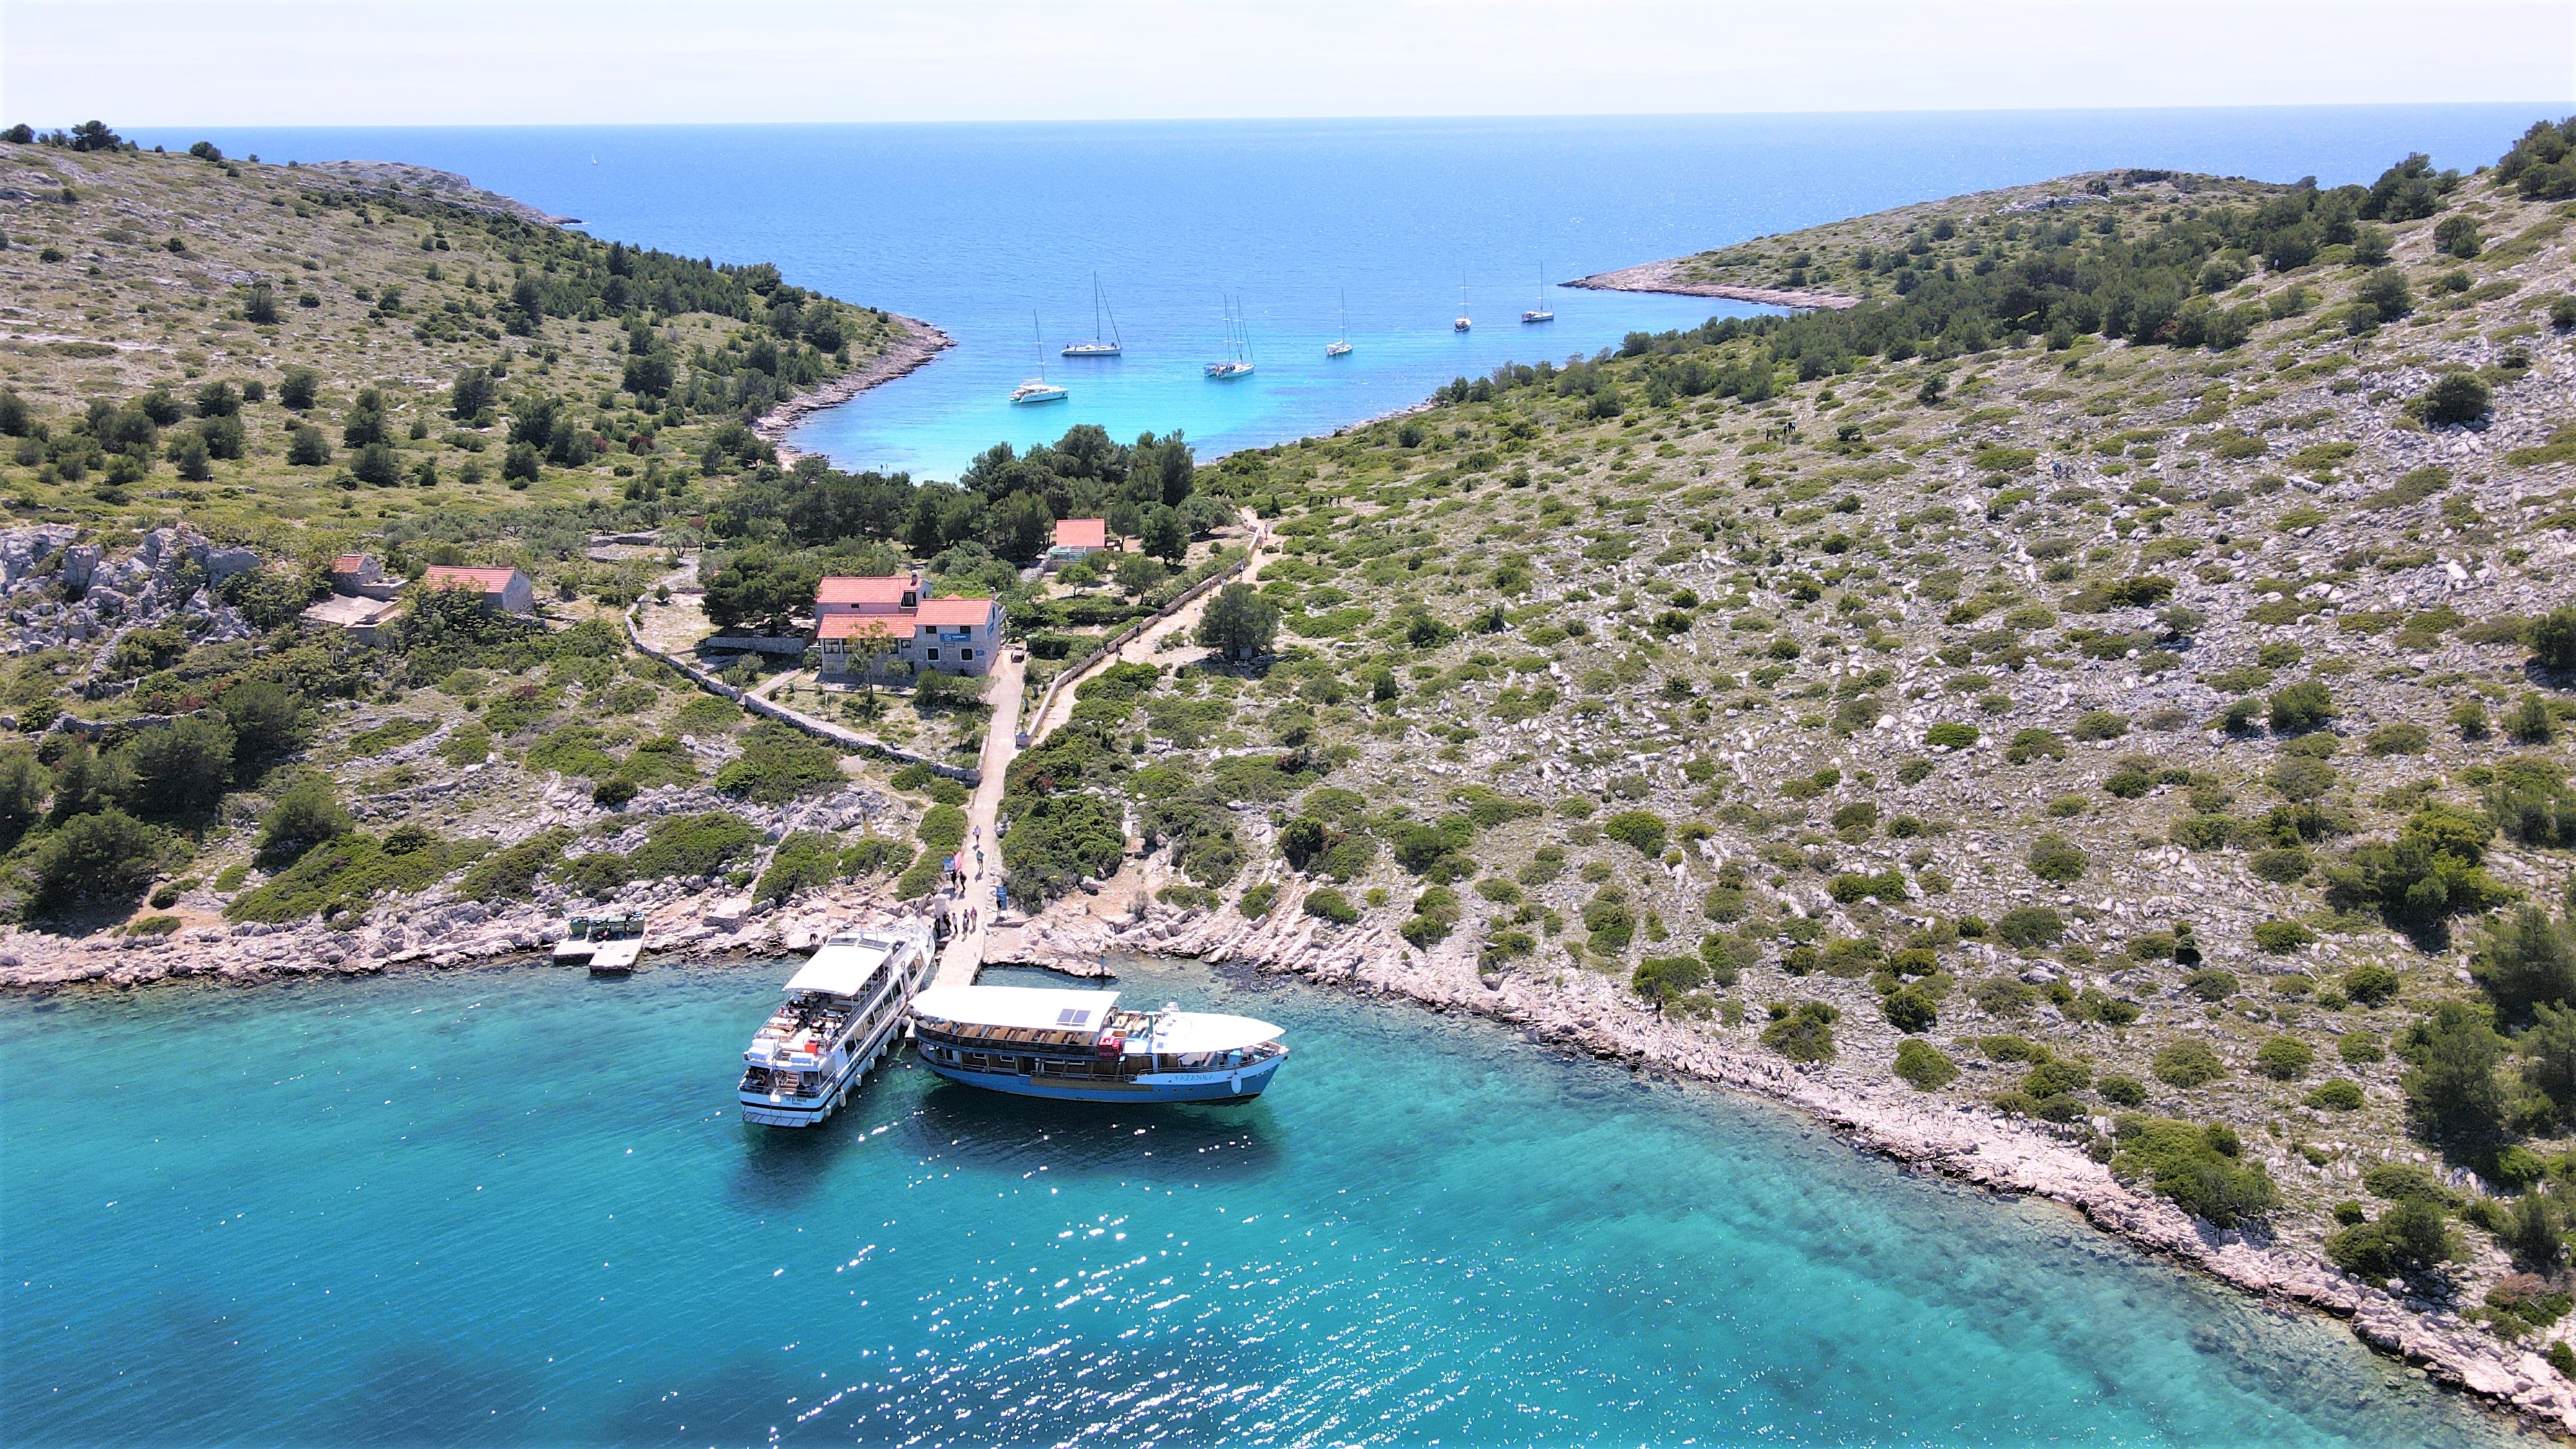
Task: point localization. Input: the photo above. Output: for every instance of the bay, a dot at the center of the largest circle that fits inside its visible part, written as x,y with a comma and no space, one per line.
516,1205
994,232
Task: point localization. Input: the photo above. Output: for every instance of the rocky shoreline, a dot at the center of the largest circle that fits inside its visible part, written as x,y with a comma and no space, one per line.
921,343
1968,1142
1079,936
1665,276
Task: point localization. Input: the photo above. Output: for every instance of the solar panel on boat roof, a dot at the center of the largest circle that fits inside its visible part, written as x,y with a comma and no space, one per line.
1073,1016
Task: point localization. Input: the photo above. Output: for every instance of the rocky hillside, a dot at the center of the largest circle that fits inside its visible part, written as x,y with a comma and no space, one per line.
2115,678
308,357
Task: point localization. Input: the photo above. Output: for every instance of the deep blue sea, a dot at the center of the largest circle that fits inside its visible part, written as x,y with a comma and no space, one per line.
516,1206
994,232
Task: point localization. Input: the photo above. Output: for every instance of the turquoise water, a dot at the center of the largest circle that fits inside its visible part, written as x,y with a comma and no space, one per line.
977,227
517,1206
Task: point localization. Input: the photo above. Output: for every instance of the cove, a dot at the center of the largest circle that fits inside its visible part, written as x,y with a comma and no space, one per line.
517,1205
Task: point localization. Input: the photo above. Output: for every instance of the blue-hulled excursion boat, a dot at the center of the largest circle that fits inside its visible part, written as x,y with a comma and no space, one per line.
1079,1046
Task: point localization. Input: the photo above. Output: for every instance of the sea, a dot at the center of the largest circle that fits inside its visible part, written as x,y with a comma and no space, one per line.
1384,232
518,1206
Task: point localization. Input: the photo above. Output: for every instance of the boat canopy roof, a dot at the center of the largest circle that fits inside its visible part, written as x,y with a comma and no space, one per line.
1182,1033
1020,1008
845,965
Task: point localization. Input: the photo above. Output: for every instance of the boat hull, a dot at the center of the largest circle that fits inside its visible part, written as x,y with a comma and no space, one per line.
1217,1088
1089,349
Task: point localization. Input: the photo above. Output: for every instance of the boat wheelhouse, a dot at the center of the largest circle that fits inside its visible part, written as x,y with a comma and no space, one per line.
844,1011
1079,1046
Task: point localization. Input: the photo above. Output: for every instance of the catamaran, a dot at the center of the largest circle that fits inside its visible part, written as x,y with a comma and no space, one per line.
1037,389
1539,313
1078,1046
1238,336
844,1010
1340,346
1462,321
1113,345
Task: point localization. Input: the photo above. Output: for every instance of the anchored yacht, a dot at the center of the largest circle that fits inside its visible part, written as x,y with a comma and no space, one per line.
1079,1046
844,1011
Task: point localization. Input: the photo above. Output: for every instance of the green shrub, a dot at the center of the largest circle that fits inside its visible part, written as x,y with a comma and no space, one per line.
2371,984
2410,1238
2101,724
2284,1058
1436,913
805,860
2188,1064
1924,1065
393,734
1887,885
2122,1091
2358,1047
1802,1033
103,857
2032,744
344,874
1331,905
1056,840
2452,1087
1950,736
307,813
777,764
2301,707
2198,1168
2211,983
1256,902
1662,979
2029,927
1640,830
2343,1094
1910,1009
2282,865
2055,858
942,829
2280,938
510,873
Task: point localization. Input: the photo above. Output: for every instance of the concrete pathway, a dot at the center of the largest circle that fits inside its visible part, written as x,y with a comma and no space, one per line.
964,955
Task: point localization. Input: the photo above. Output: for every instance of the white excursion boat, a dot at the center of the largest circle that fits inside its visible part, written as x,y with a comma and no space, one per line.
1077,1046
844,1010
1098,346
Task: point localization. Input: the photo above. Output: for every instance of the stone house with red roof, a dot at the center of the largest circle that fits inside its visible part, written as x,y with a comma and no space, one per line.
858,620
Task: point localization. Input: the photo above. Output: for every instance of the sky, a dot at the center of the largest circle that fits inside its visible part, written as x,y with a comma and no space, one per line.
452,62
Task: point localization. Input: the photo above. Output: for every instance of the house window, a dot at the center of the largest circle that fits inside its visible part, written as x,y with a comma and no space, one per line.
933,653
965,653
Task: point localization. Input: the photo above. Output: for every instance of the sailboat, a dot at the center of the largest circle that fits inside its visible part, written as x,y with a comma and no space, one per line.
1238,337
1341,346
1463,321
1097,347
1539,313
1037,389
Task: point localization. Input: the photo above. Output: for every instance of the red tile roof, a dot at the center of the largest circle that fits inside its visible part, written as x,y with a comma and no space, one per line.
1082,533
349,563
852,626
955,613
876,589
487,581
